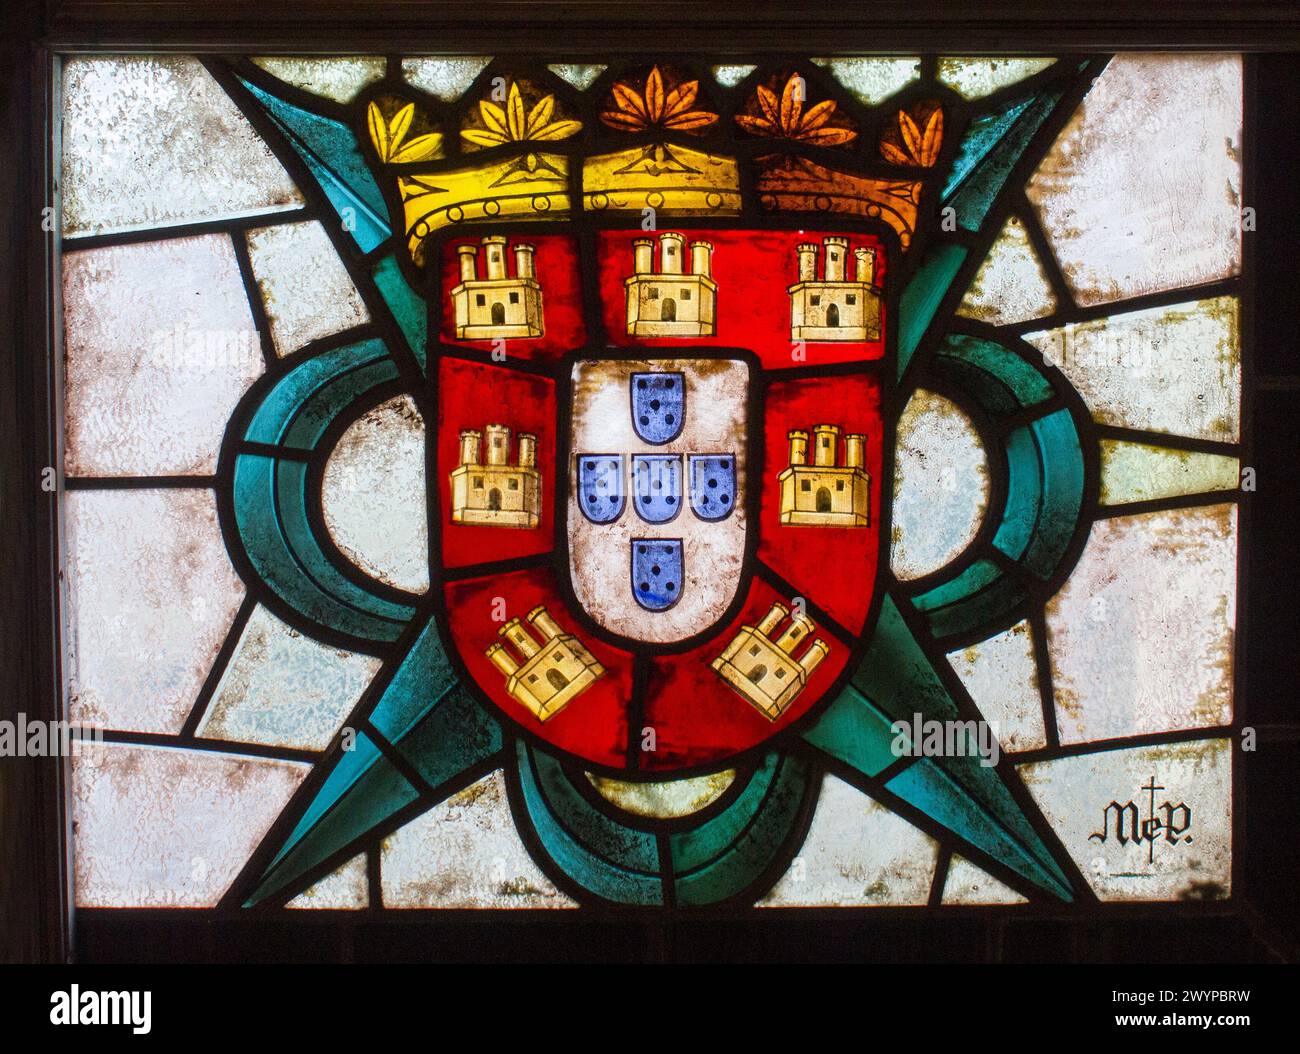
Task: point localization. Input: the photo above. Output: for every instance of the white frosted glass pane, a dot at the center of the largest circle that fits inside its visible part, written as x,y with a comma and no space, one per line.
1010,285
664,799
1075,794
1170,369
1002,678
305,287
1142,190
151,141
873,80
335,78
968,884
164,828
160,347
344,889
1140,636
1141,472
580,76
940,485
857,854
730,76
443,78
151,595
373,495
284,689
465,853
976,78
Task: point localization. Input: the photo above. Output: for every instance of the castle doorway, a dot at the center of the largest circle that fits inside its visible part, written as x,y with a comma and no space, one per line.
833,315
823,500
557,679
668,313
758,673
498,314
494,499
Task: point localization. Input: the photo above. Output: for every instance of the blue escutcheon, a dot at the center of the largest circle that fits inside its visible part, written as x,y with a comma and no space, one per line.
656,572
658,405
601,495
657,486
713,485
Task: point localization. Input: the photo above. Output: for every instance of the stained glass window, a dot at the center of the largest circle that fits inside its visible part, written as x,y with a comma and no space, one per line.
659,484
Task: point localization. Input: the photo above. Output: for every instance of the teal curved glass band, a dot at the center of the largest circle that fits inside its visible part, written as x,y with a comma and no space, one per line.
270,493
1044,495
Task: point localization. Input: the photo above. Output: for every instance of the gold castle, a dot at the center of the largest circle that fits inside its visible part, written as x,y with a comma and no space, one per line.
498,305
835,308
670,302
823,493
555,669
765,671
494,493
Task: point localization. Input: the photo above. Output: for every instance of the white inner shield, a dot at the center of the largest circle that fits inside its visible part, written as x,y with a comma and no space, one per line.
600,558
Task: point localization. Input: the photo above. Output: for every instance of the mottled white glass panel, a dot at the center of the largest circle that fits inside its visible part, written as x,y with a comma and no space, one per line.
730,76
1142,190
465,853
334,78
346,889
857,854
976,78
151,595
372,494
1075,794
305,287
579,75
284,689
160,347
941,485
1142,472
1173,369
443,78
876,79
967,884
1002,678
1010,285
151,141
664,799
163,828
1140,636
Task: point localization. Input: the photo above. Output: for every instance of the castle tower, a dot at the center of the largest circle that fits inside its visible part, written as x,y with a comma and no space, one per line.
495,247
643,252
671,302
864,265
701,258
497,306
541,620
800,626
524,261
501,658
798,447
833,307
855,445
812,658
821,491
672,249
527,450
469,446
776,613
837,250
826,444
468,262
486,489
807,261
498,444
552,674
765,671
